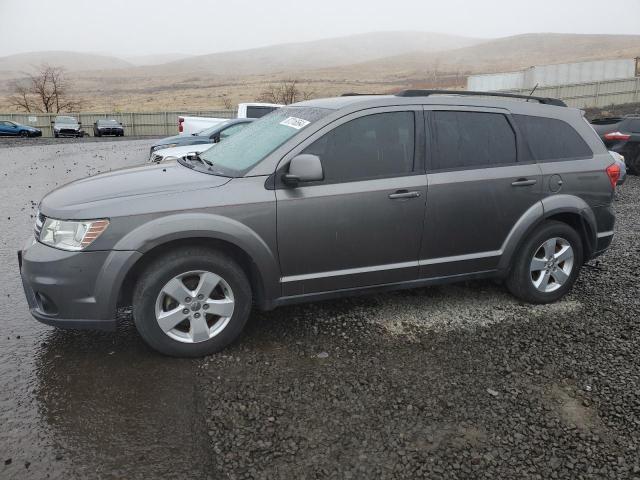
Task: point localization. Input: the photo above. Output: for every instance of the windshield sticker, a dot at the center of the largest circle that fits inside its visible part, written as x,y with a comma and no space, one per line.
295,122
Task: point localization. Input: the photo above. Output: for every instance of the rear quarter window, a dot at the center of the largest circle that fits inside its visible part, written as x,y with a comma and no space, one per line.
550,139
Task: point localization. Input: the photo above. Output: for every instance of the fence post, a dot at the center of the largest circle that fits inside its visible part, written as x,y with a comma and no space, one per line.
596,103
132,116
635,95
166,123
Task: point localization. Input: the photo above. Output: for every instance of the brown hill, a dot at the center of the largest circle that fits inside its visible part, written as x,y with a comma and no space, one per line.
70,61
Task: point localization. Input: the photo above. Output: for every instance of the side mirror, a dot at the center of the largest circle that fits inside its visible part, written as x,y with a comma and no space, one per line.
79,122
216,138
304,168
52,122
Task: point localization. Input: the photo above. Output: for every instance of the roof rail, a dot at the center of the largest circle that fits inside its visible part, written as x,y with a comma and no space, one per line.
465,93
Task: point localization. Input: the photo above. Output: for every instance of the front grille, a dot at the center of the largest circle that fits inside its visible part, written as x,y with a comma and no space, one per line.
156,158
68,131
38,227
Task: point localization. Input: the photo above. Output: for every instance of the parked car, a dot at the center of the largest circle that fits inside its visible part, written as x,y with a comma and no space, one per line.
108,127
174,153
13,129
190,125
207,137
622,135
65,126
326,198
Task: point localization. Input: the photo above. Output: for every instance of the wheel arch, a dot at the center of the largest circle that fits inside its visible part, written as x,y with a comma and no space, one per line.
215,232
567,209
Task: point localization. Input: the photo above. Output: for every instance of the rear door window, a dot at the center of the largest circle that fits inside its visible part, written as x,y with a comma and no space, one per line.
465,140
551,139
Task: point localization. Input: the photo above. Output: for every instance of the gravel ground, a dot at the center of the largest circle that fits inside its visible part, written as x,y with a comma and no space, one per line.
12,142
460,381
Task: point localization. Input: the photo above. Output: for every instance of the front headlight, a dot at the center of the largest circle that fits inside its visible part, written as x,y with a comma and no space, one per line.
161,147
70,234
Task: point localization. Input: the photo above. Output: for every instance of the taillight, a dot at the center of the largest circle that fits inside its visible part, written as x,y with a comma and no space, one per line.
613,172
617,136
180,127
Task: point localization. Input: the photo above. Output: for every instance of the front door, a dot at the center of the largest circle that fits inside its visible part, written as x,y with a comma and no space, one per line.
361,225
478,189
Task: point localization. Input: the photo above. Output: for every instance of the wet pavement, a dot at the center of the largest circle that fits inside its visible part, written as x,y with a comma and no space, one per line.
82,404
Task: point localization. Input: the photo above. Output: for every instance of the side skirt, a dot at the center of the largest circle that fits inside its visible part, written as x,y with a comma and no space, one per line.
350,292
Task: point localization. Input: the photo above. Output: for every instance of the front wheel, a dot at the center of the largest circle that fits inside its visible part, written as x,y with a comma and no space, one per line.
547,265
24,133
191,302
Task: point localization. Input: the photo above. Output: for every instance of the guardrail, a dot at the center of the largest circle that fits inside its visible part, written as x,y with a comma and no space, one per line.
135,123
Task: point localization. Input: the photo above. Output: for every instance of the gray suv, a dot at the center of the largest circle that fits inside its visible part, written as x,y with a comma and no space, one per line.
322,199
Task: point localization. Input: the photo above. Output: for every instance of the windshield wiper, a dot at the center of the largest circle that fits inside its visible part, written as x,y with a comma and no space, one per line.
196,156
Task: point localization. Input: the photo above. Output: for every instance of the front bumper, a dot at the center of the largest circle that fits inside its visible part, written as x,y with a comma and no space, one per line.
73,289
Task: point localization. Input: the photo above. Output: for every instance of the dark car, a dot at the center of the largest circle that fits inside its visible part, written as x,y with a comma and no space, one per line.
108,127
13,129
65,126
209,135
622,135
322,199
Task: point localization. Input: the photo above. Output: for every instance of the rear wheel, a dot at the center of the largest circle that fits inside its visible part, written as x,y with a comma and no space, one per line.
191,303
547,265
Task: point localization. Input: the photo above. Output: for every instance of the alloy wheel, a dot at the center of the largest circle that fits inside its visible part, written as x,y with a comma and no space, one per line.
552,264
194,306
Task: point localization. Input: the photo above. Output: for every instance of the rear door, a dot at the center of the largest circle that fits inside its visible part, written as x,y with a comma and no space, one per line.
479,187
361,225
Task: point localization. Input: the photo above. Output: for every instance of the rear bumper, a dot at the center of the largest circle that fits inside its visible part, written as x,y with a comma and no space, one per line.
603,241
73,289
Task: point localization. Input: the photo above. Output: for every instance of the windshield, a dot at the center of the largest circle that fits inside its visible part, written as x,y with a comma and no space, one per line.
243,150
108,122
66,120
208,131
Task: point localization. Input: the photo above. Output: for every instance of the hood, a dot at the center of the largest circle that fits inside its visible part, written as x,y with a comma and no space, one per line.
70,126
183,150
129,184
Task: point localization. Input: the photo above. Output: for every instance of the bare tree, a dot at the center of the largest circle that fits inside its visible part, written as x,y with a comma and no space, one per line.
21,97
228,104
286,92
45,91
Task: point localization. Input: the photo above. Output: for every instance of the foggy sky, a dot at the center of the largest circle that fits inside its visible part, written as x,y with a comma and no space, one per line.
140,27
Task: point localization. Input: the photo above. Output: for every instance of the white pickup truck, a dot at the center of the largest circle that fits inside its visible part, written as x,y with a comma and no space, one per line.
190,125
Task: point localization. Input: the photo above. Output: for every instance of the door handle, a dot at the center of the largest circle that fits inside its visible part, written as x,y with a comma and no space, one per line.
403,194
523,182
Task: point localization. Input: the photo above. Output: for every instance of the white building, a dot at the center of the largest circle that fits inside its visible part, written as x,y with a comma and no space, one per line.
551,75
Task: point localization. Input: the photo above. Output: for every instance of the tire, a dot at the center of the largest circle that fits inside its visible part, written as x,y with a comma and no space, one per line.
527,276
97,134
24,133
181,271
55,135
